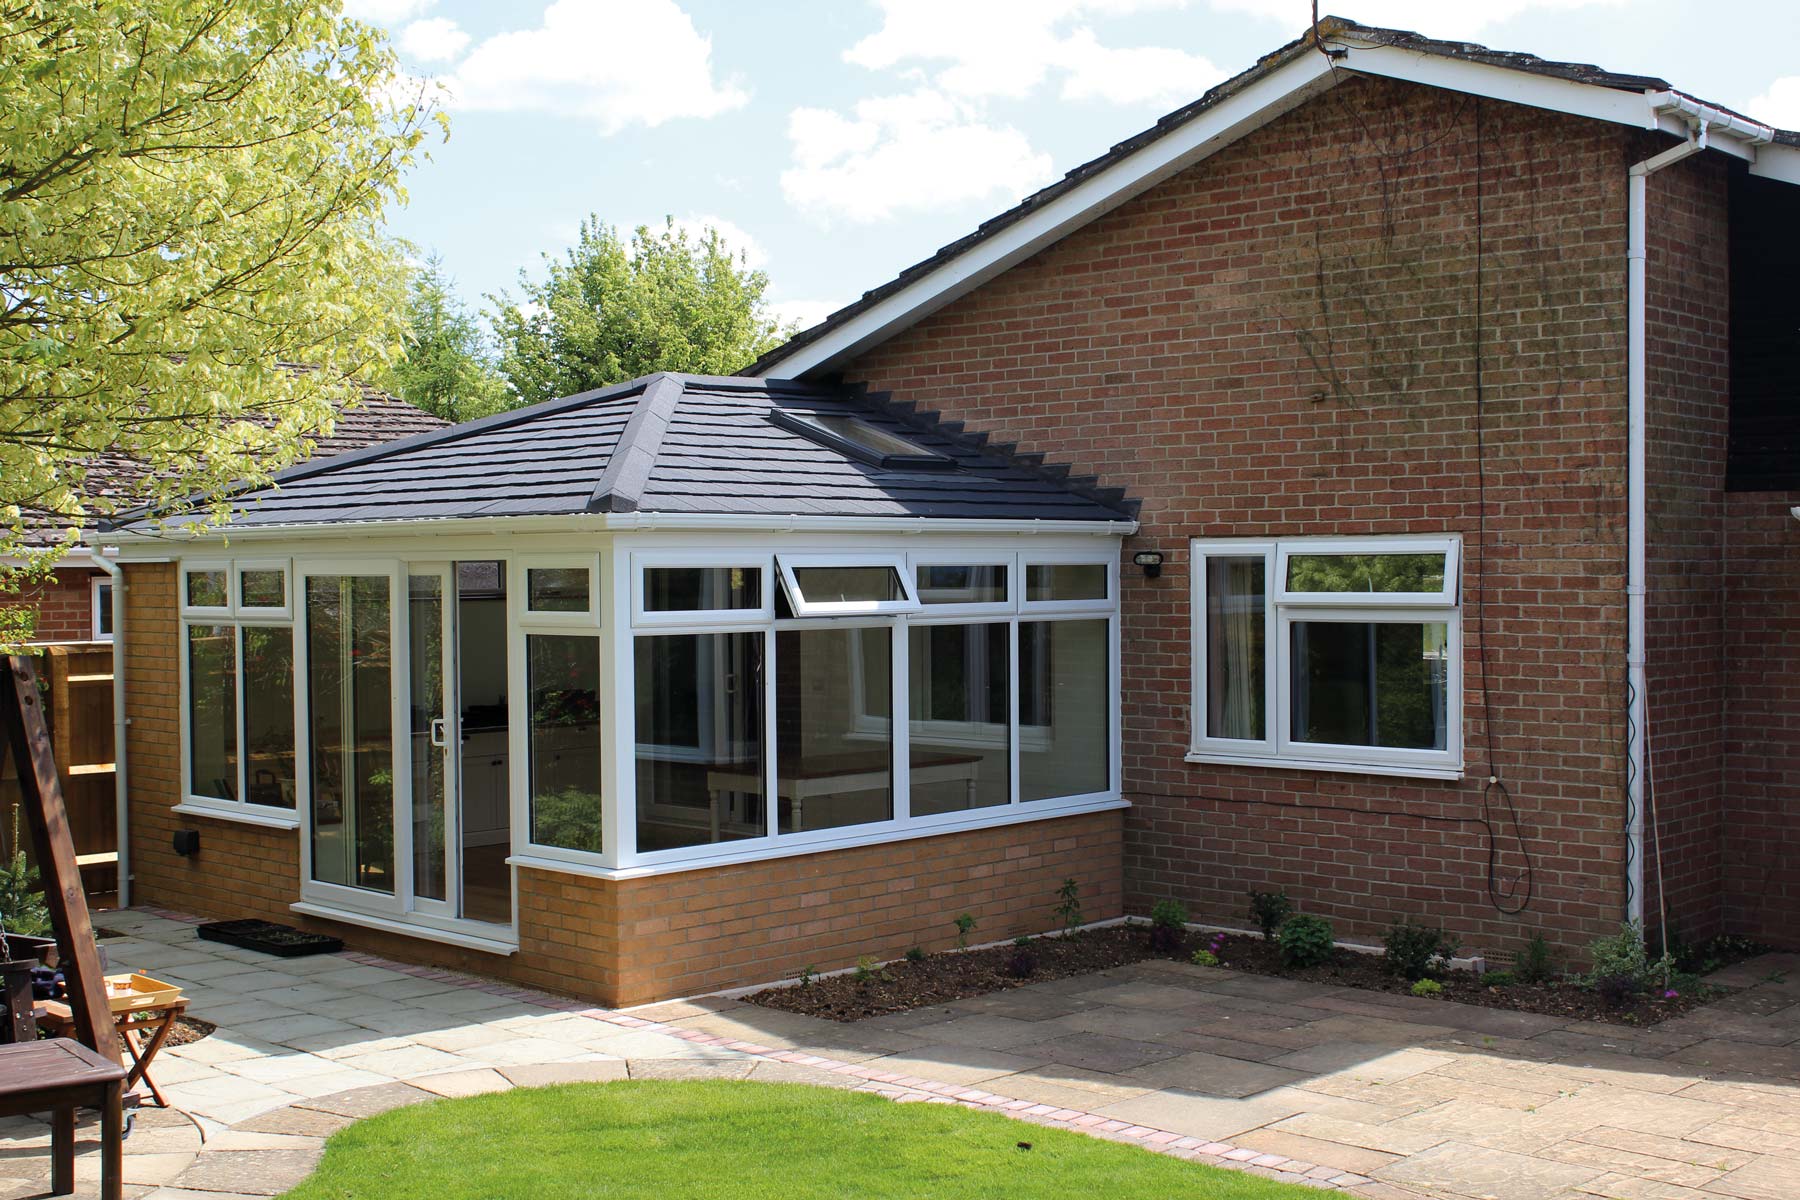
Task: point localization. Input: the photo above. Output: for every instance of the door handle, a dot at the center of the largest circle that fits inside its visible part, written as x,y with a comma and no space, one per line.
437,733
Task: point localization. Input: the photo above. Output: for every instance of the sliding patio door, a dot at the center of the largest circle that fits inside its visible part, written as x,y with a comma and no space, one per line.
431,676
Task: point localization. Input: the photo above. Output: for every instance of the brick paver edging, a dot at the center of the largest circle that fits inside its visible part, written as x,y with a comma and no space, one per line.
901,1088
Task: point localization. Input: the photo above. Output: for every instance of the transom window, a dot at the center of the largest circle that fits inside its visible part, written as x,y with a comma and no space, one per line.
827,586
1329,654
238,686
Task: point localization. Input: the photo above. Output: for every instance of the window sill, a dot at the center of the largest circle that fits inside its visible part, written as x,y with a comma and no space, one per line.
429,933
1279,763
1015,814
263,818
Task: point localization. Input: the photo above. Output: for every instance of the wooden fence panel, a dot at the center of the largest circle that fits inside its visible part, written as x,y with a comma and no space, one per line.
77,687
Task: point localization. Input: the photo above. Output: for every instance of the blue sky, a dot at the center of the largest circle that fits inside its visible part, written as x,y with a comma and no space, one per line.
837,142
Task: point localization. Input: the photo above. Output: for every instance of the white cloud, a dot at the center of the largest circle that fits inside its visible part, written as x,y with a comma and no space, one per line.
1780,105
613,62
386,12
1006,48
436,39
914,152
803,313
1433,18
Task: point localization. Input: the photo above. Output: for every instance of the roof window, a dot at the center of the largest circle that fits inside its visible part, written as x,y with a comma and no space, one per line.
860,439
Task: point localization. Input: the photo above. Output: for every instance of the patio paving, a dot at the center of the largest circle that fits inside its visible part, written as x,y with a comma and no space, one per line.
1381,1096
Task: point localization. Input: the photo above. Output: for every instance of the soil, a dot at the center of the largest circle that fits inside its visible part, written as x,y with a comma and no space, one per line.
955,975
186,1031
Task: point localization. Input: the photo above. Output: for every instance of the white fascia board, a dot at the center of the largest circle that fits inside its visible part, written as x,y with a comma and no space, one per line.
1260,102
1505,83
1778,162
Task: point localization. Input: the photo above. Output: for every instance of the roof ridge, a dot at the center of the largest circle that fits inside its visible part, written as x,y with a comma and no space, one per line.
628,467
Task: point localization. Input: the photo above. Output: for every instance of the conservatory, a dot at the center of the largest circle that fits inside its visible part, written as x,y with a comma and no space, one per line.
483,686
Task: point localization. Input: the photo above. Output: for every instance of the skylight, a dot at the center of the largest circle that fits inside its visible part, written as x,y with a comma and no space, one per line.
860,439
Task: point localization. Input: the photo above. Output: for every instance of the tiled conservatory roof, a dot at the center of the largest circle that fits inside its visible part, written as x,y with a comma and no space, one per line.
676,444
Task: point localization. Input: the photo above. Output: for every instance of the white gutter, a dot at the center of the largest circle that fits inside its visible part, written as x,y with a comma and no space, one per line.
1702,122
121,803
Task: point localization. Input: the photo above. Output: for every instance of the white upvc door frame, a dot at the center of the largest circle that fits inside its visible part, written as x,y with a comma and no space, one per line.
445,909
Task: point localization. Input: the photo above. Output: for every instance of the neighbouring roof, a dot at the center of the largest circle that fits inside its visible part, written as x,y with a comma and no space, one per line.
1144,159
677,445
375,418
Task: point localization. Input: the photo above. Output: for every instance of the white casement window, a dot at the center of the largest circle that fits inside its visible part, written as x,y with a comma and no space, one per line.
100,607
557,663
835,585
237,689
1329,654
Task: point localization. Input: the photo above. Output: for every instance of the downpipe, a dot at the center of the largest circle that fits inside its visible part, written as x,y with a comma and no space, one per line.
121,798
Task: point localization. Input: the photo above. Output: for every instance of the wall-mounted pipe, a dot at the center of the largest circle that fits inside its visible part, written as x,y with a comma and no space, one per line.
121,795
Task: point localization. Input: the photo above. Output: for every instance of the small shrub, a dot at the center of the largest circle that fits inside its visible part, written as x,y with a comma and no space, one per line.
1533,964
1427,987
1168,926
1623,967
1024,960
1204,958
1414,951
807,974
1068,906
1269,910
865,969
1615,990
1498,979
964,924
1305,941
915,954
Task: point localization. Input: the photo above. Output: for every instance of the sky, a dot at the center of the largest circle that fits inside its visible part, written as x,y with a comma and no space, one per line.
835,143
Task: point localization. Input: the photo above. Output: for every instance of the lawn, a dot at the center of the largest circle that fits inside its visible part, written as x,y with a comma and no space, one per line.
743,1141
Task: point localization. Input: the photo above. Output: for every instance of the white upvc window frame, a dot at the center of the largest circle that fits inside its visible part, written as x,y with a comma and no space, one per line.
803,608
239,618
263,613
1106,603
1282,609
519,570
1007,604
100,608
643,561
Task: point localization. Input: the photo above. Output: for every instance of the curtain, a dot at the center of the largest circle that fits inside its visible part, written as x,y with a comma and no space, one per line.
1236,608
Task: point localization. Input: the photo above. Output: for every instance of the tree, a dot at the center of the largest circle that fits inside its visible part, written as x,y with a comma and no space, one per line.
609,311
191,193
446,370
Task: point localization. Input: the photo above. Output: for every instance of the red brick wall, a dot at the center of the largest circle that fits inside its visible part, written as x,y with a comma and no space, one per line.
1687,351
1762,696
64,606
626,942
1279,342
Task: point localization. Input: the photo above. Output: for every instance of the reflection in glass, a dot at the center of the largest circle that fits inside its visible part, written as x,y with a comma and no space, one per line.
349,701
207,589
1064,738
1236,629
557,589
845,585
1374,573
563,677
1370,683
261,588
430,786
834,762
946,584
960,750
700,762
701,589
212,711
269,714
1065,581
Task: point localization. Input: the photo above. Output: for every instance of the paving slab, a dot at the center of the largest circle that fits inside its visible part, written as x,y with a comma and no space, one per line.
1214,1074
1472,1170
1211,1117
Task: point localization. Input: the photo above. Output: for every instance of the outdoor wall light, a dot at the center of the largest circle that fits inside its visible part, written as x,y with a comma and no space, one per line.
1151,561
187,841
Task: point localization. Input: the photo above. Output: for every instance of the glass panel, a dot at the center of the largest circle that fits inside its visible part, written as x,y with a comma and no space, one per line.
486,799
103,611
834,761
1065,581
349,690
212,711
557,589
430,770
1063,709
563,675
841,585
860,433
262,589
960,686
962,585
700,764
701,589
269,715
1370,683
1236,628
1365,572
207,589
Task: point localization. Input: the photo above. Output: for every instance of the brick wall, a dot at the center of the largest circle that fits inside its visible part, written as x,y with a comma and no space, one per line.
1762,696
623,942
1688,397
64,606
1279,342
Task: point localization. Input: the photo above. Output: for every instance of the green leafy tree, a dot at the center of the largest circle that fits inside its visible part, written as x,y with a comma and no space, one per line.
191,193
447,369
611,310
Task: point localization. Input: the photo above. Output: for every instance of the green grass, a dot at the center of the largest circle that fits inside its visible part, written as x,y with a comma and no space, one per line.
715,1140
